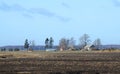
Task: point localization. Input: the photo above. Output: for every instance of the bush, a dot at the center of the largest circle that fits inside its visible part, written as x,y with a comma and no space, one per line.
16,49
3,49
10,49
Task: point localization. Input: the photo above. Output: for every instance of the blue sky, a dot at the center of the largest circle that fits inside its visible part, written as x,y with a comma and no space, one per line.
38,19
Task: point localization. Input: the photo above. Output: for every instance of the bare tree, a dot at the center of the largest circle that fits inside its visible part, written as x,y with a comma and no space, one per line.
32,44
63,44
51,42
97,43
84,40
71,44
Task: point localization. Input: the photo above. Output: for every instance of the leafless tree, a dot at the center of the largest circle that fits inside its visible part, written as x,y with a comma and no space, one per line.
97,43
71,44
63,43
32,45
84,40
51,42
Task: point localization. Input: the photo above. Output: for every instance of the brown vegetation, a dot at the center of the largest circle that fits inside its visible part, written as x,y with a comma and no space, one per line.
72,62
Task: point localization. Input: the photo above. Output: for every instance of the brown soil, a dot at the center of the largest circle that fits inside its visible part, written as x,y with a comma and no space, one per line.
60,63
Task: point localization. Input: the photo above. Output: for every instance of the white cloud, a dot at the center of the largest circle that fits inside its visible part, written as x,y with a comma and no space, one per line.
30,11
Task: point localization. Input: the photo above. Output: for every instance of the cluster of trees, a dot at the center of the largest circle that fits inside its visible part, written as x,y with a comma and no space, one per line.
16,49
84,40
66,43
30,44
10,49
3,49
49,42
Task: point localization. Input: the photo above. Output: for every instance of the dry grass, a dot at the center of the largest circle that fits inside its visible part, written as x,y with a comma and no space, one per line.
43,54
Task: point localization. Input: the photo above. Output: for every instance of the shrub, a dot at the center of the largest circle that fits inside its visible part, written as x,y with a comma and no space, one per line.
16,49
10,49
3,49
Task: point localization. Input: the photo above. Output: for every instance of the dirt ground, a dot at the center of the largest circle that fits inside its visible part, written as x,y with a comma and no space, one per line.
65,62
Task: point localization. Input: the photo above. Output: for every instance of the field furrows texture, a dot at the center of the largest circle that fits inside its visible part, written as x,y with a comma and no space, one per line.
63,63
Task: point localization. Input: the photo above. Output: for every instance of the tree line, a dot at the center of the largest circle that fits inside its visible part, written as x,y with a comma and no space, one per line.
65,43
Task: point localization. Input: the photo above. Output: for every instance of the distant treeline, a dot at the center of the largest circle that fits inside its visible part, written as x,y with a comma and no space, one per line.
64,44
18,48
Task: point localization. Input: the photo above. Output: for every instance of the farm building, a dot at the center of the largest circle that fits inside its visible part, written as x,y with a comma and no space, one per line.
50,49
89,48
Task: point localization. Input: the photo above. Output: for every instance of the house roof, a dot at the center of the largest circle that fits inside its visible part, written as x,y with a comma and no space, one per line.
89,46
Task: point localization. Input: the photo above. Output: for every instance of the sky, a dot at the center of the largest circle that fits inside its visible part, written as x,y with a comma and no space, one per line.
38,19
